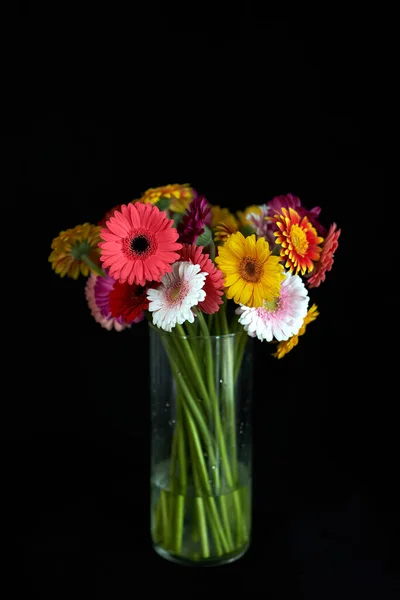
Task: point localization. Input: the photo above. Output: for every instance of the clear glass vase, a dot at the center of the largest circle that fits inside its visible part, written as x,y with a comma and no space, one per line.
201,446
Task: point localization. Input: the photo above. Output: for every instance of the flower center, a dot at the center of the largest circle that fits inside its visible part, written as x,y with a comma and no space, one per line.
141,243
138,292
271,305
299,239
177,292
250,269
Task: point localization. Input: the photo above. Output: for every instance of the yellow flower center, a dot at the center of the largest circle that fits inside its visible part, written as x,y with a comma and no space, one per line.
271,305
177,292
299,239
250,269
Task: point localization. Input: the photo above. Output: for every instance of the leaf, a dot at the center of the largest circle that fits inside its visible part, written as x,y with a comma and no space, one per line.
205,238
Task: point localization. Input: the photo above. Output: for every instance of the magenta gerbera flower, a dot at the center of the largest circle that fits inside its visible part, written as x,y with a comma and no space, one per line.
197,215
140,244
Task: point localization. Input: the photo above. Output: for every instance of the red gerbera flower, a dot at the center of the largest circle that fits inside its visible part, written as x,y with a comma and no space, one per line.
128,301
214,284
326,259
139,244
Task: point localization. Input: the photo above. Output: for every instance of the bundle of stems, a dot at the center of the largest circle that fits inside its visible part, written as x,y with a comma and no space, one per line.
204,484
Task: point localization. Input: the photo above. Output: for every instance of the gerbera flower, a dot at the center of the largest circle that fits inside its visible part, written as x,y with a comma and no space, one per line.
289,201
298,240
197,216
129,301
172,301
288,345
108,322
251,273
281,318
218,214
139,244
225,228
181,196
76,251
214,284
325,262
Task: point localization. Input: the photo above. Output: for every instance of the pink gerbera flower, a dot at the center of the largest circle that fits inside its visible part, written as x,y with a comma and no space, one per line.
97,306
140,243
214,284
280,318
197,215
326,258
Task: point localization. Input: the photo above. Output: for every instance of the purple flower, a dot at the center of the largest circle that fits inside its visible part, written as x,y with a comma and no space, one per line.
102,289
198,214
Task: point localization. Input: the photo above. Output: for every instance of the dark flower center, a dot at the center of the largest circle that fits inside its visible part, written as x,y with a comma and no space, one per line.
250,269
138,292
139,244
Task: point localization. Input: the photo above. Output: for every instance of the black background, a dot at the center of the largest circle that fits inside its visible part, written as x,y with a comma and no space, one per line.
242,109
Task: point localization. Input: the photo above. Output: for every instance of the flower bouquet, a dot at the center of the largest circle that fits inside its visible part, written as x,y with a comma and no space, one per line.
208,281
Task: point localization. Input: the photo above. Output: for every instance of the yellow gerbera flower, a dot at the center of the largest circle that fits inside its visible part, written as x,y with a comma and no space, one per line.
251,273
76,251
242,215
218,214
288,345
181,196
226,228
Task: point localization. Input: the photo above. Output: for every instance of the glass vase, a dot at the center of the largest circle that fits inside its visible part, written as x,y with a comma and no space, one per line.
201,446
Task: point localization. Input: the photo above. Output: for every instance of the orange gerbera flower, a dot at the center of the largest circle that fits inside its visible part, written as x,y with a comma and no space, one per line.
288,345
298,240
76,251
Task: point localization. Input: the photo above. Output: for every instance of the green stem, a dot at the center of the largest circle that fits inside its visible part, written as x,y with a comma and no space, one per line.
199,503
240,348
92,265
180,457
230,396
181,451
165,517
193,364
217,421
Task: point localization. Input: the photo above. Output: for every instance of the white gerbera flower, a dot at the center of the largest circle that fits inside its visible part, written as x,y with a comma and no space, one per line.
179,291
281,318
